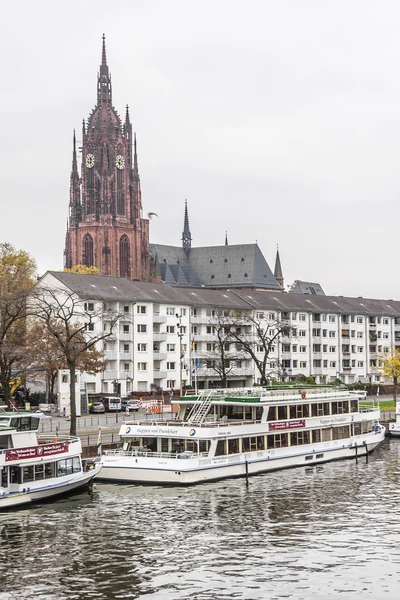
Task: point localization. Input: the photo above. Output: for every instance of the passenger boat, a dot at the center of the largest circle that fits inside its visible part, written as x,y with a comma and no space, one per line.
394,428
35,468
230,433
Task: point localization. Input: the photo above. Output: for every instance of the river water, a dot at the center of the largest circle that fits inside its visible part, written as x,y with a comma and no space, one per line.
331,531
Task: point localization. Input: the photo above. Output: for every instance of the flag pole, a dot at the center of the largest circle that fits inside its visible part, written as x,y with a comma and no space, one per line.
99,443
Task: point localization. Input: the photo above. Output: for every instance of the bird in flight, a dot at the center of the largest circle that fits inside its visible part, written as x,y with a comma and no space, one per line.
150,215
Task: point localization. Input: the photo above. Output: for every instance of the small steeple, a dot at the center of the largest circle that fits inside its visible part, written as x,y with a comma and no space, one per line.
186,235
104,77
226,238
278,269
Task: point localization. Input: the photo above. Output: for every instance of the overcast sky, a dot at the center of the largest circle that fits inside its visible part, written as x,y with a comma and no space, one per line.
278,120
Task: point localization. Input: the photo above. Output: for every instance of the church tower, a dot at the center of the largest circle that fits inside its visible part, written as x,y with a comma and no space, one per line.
186,235
278,269
106,229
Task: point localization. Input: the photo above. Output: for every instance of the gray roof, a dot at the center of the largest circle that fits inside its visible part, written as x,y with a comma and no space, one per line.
119,289
306,287
240,265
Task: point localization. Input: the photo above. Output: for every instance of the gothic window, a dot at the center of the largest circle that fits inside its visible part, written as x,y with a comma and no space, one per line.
124,258
87,251
90,190
120,193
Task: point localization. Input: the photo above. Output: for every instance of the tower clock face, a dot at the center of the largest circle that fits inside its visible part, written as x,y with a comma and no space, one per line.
120,162
89,161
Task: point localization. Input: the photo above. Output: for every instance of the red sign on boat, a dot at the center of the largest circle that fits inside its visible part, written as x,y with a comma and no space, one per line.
287,425
36,451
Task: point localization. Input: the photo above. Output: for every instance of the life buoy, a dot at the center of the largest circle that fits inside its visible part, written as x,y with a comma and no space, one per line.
303,395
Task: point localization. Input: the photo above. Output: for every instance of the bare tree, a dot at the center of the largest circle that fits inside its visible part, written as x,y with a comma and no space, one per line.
223,355
257,335
72,323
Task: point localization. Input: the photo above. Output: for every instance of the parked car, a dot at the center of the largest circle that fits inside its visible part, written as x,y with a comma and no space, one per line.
97,407
130,405
112,403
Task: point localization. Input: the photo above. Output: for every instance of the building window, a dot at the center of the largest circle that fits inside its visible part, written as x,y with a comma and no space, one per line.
170,328
126,309
89,306
142,366
170,347
142,347
126,328
360,320
303,364
183,312
170,310
142,328
126,367
302,333
89,326
87,250
170,366
302,317
332,319
141,310
332,334
124,257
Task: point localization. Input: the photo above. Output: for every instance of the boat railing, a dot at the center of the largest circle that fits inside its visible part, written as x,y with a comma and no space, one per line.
366,409
150,454
177,423
57,439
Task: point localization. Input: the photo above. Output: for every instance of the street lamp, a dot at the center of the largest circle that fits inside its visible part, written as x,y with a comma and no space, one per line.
179,327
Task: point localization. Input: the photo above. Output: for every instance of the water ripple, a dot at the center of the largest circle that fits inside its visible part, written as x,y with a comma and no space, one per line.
325,532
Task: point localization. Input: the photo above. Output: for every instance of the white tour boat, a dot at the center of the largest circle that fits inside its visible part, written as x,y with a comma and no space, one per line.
394,428
230,433
35,468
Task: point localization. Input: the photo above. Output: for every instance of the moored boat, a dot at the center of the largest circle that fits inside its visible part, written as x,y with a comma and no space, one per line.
394,428
230,433
35,468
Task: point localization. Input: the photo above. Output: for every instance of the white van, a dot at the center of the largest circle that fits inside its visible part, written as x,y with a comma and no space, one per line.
112,403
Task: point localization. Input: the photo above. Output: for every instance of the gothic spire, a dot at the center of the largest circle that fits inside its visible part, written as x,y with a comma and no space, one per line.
135,161
104,77
186,235
278,269
74,161
226,238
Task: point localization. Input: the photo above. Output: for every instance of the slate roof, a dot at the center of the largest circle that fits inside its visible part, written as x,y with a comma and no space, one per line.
306,287
119,289
240,265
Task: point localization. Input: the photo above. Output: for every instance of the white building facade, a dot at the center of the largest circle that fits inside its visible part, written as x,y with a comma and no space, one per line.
166,336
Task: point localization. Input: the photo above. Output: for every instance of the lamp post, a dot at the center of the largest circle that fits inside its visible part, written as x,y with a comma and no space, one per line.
179,327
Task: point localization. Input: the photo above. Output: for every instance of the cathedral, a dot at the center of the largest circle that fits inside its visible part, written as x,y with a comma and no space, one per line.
106,228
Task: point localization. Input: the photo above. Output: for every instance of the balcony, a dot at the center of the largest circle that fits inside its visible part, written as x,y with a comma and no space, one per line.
159,337
111,356
345,353
204,337
159,374
199,319
125,335
243,372
157,318
110,375
347,369
372,324
159,355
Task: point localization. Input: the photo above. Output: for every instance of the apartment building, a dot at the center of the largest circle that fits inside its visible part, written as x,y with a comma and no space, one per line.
167,336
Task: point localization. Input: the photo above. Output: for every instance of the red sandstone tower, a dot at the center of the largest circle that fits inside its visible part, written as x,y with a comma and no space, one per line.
105,227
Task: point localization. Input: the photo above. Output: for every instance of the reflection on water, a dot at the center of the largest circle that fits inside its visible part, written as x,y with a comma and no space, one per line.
330,531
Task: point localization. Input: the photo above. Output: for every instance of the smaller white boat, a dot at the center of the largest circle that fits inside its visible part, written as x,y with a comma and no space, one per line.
394,428
35,468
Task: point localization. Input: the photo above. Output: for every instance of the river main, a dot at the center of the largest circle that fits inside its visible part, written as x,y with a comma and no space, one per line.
331,531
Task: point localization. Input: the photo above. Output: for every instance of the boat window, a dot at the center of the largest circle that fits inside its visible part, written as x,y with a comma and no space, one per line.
259,413
339,433
50,470
28,474
298,438
178,445
260,442
150,444
248,413
357,428
76,464
64,467
354,406
204,445
164,445
272,410
5,442
278,440
233,446
4,477
318,409
325,435
39,472
25,424
299,411
34,423
15,475
220,448
282,413
316,435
